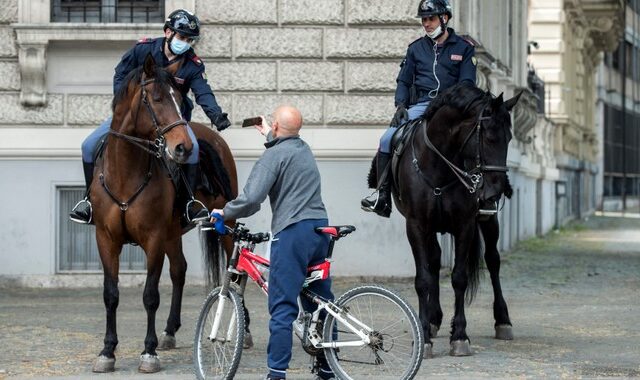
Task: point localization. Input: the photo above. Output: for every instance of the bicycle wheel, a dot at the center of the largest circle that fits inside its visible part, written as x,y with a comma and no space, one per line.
219,359
397,343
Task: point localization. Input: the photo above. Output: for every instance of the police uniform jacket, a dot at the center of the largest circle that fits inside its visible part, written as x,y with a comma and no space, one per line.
455,63
190,76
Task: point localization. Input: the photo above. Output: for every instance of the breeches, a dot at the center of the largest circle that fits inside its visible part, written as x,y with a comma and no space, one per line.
415,111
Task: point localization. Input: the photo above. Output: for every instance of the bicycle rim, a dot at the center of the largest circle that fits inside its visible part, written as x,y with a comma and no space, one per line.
396,347
219,359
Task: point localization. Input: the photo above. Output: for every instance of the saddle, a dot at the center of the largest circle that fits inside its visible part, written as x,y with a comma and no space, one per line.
398,145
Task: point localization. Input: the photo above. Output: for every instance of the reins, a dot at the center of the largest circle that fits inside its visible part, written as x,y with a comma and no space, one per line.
155,148
471,179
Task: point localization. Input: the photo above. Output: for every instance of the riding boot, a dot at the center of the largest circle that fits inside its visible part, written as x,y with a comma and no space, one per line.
195,210
380,201
82,212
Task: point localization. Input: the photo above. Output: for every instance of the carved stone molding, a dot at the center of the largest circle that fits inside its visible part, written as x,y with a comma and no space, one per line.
525,114
33,39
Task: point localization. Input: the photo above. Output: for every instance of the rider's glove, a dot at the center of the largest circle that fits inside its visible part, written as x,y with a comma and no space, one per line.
222,122
400,116
219,223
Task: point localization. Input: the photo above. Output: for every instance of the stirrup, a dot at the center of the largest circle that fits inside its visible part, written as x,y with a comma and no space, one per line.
375,204
74,212
195,220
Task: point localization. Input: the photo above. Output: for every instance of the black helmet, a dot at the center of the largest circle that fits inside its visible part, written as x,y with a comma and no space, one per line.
434,8
183,22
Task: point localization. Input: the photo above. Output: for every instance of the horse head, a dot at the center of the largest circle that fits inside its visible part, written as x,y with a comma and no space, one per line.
148,108
495,135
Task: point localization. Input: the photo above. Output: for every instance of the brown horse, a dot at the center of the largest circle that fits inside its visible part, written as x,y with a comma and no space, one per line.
133,198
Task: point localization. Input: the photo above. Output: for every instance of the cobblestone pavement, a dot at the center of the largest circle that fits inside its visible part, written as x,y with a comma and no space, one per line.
574,300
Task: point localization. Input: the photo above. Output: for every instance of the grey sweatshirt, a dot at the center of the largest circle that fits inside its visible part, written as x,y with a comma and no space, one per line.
287,172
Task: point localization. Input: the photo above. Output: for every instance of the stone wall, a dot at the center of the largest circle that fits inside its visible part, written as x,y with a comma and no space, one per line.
9,71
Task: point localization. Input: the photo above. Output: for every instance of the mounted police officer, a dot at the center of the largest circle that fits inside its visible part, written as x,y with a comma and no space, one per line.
181,31
432,64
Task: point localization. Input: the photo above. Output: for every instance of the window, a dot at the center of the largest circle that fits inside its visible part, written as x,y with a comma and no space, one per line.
77,248
124,11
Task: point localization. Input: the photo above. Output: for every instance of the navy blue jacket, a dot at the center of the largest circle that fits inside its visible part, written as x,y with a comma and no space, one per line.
455,63
190,76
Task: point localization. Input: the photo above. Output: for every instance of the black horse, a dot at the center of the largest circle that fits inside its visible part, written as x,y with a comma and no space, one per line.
453,164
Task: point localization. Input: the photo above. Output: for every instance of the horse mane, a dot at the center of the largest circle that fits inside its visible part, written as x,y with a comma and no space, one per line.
164,78
464,97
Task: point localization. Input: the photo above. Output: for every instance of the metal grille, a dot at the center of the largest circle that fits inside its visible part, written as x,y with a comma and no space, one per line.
77,248
124,11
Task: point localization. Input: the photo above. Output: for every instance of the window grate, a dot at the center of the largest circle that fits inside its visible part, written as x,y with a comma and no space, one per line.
77,248
123,11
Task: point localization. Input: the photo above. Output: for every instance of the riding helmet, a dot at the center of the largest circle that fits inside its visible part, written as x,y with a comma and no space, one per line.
183,22
434,8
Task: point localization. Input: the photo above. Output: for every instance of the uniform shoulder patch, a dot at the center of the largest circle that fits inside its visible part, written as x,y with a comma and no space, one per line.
468,39
196,60
145,40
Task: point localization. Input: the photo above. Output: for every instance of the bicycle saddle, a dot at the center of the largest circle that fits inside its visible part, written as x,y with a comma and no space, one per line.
336,232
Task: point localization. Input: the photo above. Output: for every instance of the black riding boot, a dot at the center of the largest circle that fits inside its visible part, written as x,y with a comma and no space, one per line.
82,212
195,210
380,201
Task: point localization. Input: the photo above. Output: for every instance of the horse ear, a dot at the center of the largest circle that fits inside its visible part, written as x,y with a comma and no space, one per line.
512,102
149,66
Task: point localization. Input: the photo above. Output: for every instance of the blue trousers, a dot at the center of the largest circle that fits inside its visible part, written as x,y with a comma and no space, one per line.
90,144
298,247
415,111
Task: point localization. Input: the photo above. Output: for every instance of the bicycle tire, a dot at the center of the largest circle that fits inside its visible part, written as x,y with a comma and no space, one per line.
218,360
381,309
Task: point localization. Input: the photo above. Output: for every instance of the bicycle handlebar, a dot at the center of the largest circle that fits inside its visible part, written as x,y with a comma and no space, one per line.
242,233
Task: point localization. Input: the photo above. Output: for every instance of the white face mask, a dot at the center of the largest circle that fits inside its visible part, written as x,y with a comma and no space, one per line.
436,33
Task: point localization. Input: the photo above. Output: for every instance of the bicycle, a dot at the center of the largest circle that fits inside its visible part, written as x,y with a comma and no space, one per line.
369,326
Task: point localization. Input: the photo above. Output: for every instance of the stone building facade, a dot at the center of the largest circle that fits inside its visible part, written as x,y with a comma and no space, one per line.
571,36
336,60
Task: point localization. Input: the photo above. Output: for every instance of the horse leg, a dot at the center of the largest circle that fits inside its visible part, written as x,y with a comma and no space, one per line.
110,257
149,362
466,246
419,242
491,232
177,270
433,265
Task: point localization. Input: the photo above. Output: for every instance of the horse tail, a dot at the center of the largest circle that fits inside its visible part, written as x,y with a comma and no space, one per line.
473,265
215,171
214,257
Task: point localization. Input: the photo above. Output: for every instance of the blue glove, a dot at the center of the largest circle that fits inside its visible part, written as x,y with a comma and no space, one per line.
219,223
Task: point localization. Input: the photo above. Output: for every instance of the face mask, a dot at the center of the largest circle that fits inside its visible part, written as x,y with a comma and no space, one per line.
178,46
436,33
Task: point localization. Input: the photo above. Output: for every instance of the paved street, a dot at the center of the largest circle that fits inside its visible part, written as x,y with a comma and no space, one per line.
574,299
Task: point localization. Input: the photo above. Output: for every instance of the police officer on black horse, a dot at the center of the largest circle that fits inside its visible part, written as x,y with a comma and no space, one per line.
432,64
181,31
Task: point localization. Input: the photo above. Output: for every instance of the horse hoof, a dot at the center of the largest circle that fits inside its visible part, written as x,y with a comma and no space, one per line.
504,332
167,342
428,351
433,330
248,341
104,364
149,363
460,348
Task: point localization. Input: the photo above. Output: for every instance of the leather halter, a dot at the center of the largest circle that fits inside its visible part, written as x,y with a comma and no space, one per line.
155,148
472,179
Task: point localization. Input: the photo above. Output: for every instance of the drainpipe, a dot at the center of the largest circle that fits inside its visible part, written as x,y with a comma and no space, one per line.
623,74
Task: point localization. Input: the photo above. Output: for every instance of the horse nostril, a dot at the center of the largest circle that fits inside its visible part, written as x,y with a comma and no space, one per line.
180,150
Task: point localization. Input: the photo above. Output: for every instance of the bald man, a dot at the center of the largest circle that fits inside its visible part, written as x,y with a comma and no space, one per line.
288,174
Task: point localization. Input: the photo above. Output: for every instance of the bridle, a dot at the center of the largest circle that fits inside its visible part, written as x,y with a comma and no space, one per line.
471,179
156,148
